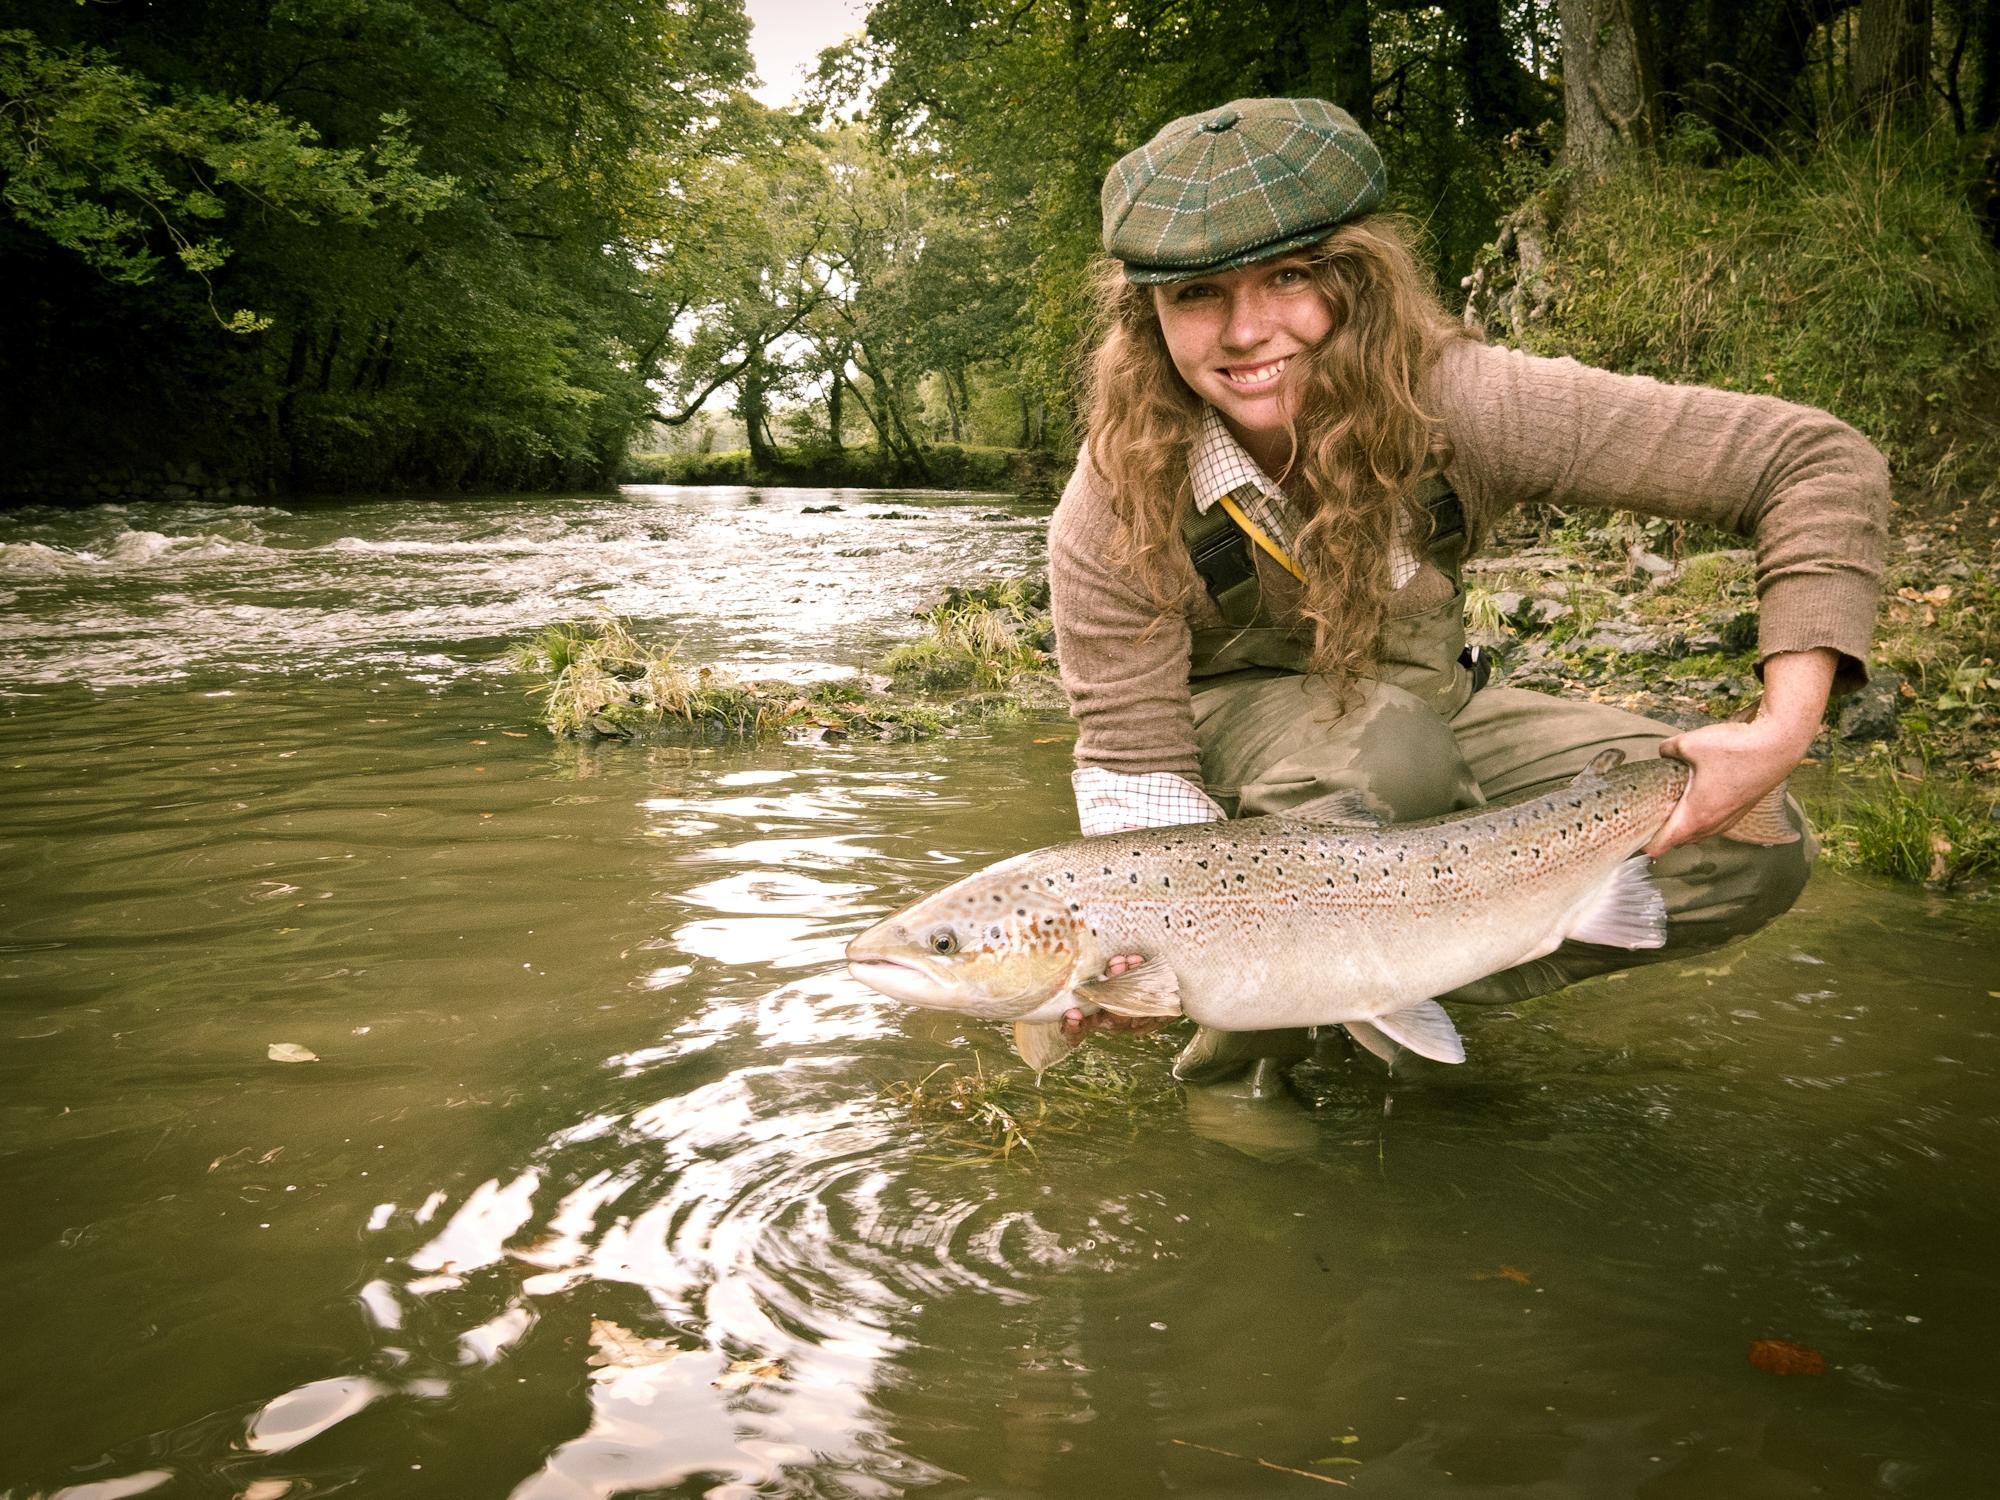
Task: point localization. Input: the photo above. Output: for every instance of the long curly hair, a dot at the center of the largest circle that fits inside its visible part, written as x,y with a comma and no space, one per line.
1362,440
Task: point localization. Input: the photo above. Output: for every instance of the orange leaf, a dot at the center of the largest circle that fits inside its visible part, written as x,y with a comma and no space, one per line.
1506,1273
1783,1357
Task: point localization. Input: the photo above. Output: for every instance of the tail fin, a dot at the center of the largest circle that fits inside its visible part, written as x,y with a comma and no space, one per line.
1766,822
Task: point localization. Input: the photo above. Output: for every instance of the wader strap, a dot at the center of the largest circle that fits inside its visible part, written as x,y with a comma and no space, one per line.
1222,553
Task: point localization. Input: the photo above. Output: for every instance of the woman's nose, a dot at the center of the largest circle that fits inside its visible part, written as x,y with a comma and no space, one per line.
1248,323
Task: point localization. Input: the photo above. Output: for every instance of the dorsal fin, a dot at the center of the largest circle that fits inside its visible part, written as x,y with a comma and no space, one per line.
1601,765
1347,808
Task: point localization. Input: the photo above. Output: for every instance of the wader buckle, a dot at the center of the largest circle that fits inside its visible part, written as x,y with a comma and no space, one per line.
1223,560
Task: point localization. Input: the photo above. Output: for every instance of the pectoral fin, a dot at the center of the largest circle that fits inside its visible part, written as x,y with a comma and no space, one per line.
1149,990
1425,1029
1371,1037
1041,1044
1627,911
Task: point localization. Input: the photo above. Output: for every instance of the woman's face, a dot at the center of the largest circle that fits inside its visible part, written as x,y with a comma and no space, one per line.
1232,336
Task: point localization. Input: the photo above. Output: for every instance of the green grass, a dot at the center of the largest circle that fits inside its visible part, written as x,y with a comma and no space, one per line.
983,647
1927,828
982,638
971,1114
1849,274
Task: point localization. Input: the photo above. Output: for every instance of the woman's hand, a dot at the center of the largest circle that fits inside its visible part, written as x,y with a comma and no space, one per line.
1736,764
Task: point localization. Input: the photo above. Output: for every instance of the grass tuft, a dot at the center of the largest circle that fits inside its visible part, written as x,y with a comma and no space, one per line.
1937,831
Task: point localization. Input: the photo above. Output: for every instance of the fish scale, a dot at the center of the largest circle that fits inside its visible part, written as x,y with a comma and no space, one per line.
1272,922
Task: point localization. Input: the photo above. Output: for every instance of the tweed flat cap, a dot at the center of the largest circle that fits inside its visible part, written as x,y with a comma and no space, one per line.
1238,184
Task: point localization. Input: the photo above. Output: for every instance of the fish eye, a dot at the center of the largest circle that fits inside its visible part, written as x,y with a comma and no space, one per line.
944,941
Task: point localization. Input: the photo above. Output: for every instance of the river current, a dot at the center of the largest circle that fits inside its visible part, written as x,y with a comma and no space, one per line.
601,1181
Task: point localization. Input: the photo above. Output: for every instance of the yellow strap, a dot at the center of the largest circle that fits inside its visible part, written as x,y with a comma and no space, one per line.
1256,534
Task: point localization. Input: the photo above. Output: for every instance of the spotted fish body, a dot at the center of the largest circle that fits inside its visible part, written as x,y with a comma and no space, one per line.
1270,922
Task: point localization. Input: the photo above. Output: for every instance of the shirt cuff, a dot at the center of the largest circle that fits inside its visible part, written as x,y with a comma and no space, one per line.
1113,802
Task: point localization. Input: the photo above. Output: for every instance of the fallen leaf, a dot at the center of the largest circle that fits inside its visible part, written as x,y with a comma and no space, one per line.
1506,1273
517,734
475,742
742,1372
1940,858
619,1349
290,1052
1783,1357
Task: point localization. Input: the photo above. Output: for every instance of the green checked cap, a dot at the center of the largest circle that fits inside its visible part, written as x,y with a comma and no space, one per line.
1238,184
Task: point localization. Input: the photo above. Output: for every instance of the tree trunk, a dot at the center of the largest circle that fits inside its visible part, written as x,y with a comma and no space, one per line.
1499,90
1353,60
1892,58
835,388
1986,114
750,407
1610,96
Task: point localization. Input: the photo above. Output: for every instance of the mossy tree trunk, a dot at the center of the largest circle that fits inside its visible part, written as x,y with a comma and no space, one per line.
1610,86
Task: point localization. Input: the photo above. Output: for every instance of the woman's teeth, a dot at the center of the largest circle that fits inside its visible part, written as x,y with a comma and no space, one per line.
1254,377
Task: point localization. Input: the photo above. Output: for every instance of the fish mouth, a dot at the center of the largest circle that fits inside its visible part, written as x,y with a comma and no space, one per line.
898,979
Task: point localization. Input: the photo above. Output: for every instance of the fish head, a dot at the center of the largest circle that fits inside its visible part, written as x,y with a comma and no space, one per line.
996,945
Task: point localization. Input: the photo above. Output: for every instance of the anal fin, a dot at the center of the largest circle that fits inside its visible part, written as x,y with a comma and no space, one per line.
1042,1044
1425,1029
1371,1037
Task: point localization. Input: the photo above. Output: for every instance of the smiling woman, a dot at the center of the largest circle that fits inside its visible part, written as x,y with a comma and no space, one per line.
1292,450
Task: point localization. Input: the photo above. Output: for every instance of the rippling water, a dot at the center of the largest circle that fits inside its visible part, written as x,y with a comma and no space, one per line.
595,1190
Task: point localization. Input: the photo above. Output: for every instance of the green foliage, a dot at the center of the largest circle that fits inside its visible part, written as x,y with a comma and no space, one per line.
1852,277
437,226
95,159
954,466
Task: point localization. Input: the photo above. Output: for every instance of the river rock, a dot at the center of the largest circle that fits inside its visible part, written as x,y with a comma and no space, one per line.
1869,714
1626,635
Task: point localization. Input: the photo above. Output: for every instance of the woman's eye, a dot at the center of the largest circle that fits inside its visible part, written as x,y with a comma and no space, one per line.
944,940
1190,293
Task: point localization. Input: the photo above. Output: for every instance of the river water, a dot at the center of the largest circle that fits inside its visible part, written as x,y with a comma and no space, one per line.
599,1184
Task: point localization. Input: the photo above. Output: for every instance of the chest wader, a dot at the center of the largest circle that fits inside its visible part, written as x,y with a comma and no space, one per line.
1237,673
1423,653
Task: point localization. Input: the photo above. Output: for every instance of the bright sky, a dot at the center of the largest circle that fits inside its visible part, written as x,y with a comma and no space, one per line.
787,37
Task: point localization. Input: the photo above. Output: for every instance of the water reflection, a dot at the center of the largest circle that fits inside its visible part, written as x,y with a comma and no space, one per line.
594,1189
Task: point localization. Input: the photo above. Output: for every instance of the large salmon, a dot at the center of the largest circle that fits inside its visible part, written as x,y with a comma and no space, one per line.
1268,922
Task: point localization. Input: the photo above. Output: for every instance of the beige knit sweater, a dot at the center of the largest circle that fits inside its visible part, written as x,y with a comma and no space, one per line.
1811,491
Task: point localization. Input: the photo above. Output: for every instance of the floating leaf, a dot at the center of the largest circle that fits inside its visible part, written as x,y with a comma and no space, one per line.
1506,1273
742,1372
1783,1357
619,1348
290,1052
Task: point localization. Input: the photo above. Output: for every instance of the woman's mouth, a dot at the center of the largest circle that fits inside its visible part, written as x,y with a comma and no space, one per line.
1250,379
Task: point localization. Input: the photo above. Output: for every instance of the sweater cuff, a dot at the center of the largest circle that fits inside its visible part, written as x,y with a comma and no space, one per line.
1806,612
